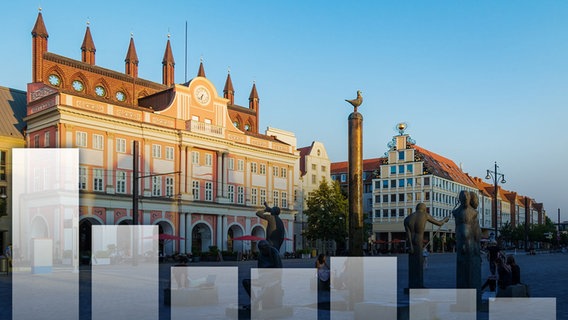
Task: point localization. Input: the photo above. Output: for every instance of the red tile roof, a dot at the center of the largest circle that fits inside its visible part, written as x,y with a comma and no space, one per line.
443,167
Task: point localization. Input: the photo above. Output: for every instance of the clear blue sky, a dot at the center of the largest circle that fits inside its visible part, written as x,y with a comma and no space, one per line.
477,81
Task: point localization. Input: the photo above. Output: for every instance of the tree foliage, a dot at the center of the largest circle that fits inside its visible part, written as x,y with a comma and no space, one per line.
327,213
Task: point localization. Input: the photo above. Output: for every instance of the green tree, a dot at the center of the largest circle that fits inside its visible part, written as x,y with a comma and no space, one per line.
327,213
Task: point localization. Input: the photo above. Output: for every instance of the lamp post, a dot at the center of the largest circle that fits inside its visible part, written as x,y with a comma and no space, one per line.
495,175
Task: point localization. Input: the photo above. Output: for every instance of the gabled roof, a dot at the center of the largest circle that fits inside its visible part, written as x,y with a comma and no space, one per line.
12,112
368,165
304,151
482,186
443,167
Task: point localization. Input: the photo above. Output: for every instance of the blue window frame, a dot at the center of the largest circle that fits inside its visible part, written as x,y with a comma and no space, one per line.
401,155
401,168
409,168
401,183
393,169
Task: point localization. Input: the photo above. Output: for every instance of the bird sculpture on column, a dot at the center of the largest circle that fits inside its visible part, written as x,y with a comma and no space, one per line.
356,102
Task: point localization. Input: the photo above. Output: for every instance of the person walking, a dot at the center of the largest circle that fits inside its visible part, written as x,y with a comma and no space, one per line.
425,255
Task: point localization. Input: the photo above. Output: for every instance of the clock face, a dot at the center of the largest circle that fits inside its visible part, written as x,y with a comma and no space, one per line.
54,80
120,96
78,85
100,91
202,95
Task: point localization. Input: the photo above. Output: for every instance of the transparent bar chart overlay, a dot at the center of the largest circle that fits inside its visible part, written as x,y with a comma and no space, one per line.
522,308
45,278
124,272
363,287
443,304
283,293
203,292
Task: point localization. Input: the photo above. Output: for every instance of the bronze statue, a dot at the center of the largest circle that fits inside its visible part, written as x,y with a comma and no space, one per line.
275,230
356,102
414,225
468,234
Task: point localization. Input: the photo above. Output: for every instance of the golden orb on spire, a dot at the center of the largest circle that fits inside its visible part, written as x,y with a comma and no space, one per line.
401,127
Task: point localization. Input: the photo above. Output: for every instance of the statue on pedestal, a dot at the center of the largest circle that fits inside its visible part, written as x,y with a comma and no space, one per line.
275,230
468,236
414,225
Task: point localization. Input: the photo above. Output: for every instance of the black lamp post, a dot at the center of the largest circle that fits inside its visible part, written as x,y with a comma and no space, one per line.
495,175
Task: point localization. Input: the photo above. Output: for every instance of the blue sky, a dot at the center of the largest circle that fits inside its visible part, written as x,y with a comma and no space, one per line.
477,81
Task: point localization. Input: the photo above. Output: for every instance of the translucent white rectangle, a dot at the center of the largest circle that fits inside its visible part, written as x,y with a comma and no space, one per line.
426,304
203,292
363,287
124,284
45,197
522,308
282,293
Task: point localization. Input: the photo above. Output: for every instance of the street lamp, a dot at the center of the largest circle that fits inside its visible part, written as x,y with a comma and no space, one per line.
495,175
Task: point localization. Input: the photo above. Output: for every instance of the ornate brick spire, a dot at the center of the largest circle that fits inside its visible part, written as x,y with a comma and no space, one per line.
131,60
228,91
88,47
253,98
168,65
39,47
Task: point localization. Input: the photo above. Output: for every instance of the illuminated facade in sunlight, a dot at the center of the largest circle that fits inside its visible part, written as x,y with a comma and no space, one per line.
204,167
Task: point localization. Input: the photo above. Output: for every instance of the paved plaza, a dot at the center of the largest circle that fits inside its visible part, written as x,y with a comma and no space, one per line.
546,274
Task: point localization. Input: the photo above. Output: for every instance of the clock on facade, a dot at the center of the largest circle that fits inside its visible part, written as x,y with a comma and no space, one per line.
202,95
54,80
77,85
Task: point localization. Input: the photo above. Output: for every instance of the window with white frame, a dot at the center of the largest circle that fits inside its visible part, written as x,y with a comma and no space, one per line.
208,191
253,167
82,178
46,138
195,190
253,196
231,164
275,171
156,186
169,186
98,142
156,151
262,196
98,179
284,199
208,159
120,182
262,169
195,157
231,193
120,145
240,165
169,153
275,197
283,172
241,195
81,139
343,177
